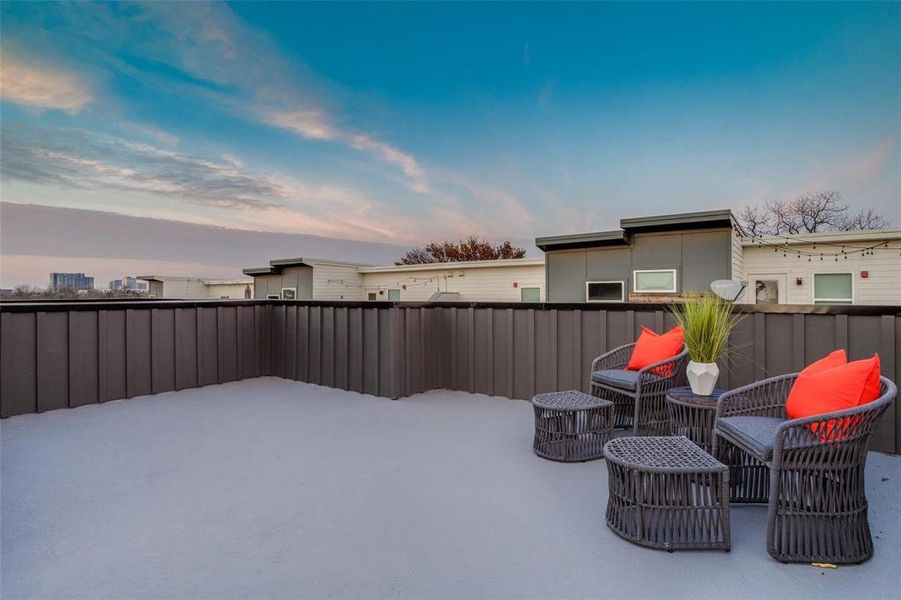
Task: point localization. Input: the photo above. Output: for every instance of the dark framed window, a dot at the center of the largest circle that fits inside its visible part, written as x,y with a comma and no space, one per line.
605,291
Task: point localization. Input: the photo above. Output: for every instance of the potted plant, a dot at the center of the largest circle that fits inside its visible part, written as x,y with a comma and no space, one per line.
707,321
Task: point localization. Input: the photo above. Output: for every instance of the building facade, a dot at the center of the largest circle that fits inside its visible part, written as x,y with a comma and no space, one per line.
847,267
195,288
661,258
71,281
650,259
512,280
130,284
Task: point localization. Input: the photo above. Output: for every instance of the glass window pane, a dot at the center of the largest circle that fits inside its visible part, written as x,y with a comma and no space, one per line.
654,281
605,292
766,292
393,295
835,286
530,294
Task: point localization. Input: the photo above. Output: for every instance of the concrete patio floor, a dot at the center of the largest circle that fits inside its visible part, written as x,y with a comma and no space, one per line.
270,488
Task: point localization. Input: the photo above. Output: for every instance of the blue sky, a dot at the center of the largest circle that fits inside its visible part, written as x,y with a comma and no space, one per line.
410,122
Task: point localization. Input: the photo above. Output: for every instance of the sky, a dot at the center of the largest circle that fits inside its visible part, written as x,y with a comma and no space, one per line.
404,123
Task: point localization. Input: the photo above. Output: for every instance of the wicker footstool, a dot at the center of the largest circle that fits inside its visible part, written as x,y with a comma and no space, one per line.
667,493
571,426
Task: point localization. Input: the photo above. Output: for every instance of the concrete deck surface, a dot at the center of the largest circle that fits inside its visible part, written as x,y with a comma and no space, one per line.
270,488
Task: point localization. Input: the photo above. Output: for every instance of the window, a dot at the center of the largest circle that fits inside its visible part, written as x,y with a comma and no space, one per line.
659,280
833,288
766,291
393,295
289,293
272,297
605,291
371,295
531,294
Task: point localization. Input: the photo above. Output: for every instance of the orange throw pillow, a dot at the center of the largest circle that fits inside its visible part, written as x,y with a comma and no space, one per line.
826,390
652,347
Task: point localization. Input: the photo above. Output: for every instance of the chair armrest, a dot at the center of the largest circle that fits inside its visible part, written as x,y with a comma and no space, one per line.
617,358
664,370
764,398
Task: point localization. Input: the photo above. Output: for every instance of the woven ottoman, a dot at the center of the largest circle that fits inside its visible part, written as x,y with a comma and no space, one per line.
571,426
667,493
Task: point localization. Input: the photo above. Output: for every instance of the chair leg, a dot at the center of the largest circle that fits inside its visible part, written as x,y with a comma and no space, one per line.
749,477
819,514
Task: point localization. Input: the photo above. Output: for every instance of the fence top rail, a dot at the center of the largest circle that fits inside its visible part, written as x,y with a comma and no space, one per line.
83,305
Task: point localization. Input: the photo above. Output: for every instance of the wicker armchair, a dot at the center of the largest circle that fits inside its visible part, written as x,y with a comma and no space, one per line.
639,397
813,482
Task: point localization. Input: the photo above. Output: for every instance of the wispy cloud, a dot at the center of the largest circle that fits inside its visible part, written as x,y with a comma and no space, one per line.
209,53
305,123
217,46
40,86
312,124
153,133
77,159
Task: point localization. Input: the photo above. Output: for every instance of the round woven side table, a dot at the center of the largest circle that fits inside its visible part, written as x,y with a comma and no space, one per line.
571,426
693,416
667,493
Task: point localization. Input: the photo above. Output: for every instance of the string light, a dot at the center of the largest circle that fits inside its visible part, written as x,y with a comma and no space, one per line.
783,245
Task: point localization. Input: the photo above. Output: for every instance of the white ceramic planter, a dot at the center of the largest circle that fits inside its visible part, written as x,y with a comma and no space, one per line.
702,377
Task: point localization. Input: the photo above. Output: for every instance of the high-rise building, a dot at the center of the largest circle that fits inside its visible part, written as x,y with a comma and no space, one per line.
71,281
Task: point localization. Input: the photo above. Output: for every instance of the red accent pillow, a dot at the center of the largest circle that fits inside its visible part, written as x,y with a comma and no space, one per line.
827,389
652,347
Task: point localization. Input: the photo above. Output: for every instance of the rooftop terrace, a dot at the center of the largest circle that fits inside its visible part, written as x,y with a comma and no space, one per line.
274,488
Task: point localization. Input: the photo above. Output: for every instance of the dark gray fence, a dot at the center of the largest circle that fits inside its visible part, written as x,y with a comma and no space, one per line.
67,355
54,356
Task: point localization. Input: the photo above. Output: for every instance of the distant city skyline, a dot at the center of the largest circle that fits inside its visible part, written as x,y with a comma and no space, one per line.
391,125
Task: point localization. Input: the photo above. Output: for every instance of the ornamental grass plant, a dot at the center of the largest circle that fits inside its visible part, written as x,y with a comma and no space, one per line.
707,321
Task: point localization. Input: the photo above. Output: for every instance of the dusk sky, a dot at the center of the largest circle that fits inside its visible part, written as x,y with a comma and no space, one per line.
404,123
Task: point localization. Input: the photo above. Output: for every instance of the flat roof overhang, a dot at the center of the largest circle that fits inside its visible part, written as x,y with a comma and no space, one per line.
258,271
708,219
583,240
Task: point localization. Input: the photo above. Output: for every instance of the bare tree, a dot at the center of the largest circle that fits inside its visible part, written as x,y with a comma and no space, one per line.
472,248
808,213
755,220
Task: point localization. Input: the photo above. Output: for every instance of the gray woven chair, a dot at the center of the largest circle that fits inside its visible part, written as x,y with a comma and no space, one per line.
814,488
639,397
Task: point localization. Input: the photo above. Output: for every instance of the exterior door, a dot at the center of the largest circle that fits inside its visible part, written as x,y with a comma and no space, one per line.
767,288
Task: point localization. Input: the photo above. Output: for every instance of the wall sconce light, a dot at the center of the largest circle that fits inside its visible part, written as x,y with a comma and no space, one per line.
799,281
403,287
864,274
515,284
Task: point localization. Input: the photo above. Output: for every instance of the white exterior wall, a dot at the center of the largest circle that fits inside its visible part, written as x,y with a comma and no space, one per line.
184,289
479,284
337,282
882,286
738,260
233,291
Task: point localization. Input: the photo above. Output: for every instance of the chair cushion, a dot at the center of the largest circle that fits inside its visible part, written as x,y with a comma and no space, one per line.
758,434
755,434
652,347
621,378
830,389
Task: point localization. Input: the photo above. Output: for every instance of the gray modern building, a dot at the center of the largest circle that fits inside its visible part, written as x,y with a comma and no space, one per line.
71,281
648,259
